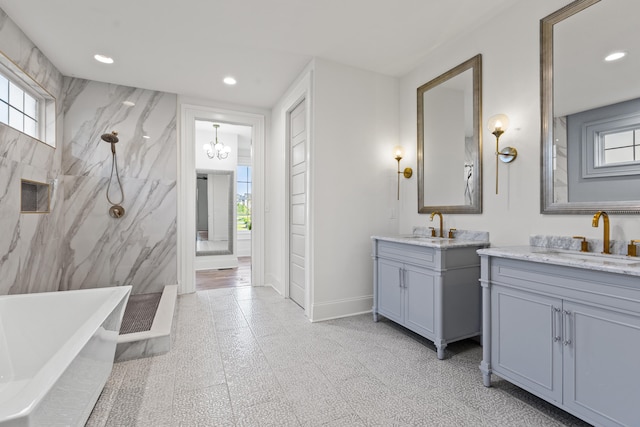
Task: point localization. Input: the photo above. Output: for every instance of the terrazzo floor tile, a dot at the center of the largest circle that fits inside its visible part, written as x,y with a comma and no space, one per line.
209,406
248,357
275,412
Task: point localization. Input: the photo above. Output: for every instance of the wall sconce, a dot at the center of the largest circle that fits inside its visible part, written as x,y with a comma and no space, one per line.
498,124
398,152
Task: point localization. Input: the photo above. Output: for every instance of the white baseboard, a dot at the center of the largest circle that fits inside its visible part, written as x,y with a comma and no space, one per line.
270,280
342,308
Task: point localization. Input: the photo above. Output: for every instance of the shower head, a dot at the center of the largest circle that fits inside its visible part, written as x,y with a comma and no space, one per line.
110,137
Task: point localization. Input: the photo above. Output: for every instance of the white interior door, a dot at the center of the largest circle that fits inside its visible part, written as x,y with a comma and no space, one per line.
297,202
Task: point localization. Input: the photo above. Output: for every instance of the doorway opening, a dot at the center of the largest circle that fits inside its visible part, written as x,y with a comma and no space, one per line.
187,205
223,160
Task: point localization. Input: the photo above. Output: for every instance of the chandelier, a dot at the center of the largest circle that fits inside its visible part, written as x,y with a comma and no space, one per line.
217,148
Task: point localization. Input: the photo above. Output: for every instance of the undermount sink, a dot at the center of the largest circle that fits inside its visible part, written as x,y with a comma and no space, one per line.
593,257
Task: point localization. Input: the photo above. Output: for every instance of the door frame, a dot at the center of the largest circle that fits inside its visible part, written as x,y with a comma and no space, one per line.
302,91
186,212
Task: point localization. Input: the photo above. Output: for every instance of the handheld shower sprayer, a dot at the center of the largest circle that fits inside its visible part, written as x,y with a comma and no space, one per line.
111,138
116,210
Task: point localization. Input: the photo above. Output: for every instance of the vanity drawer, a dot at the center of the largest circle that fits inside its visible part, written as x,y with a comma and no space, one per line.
594,287
410,254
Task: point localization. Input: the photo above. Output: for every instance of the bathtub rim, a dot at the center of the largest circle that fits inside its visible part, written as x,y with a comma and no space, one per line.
37,386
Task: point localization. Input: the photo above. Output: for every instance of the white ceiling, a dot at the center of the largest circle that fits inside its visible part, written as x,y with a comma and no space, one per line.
189,46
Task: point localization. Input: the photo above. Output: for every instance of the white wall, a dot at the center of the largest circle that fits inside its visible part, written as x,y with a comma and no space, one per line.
354,128
354,176
510,50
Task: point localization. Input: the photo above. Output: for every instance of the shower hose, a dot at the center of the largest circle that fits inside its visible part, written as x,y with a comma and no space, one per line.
114,165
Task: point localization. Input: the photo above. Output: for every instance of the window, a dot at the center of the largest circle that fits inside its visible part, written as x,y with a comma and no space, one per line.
24,104
620,146
243,198
606,140
18,107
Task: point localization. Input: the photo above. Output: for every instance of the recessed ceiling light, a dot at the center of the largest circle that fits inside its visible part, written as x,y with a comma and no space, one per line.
128,103
146,136
615,56
103,58
229,80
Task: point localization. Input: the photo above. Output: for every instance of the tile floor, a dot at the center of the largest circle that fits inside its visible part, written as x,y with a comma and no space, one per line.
247,357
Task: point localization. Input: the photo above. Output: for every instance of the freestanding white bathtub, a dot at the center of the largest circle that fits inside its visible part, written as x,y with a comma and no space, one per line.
56,354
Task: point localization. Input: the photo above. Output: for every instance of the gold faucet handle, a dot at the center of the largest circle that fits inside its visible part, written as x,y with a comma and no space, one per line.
631,249
451,230
433,231
584,245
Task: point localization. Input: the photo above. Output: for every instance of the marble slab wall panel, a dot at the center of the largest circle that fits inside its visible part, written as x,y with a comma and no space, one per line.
94,108
41,267
86,231
10,172
138,249
29,243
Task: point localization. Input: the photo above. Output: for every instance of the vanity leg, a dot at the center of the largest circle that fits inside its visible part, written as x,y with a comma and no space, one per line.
440,349
486,374
486,380
485,365
375,316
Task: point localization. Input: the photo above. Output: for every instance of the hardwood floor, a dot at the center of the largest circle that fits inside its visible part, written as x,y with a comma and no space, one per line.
228,278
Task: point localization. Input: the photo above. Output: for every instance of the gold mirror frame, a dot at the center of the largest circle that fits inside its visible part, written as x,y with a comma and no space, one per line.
547,204
474,64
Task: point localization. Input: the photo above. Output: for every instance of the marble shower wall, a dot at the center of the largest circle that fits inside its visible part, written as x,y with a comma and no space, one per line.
138,249
30,259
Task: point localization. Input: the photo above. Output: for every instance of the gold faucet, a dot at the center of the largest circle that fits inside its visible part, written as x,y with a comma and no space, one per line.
434,213
594,223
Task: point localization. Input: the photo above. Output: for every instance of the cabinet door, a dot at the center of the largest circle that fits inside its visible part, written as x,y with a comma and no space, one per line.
526,340
601,368
419,311
390,289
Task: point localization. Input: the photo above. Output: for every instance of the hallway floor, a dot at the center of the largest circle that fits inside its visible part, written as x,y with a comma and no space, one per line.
245,356
225,278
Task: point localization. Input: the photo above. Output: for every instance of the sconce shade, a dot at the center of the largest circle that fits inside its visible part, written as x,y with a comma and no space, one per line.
398,152
499,122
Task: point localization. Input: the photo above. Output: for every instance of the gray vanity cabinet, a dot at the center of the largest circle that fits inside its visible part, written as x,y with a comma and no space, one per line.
432,291
601,367
403,293
568,335
528,348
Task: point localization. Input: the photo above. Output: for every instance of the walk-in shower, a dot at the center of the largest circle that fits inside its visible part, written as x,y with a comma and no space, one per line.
116,210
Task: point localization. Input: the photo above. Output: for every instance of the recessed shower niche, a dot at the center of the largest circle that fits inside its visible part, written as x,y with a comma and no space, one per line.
34,197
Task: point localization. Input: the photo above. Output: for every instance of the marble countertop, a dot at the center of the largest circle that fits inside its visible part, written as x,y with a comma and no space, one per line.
433,242
621,264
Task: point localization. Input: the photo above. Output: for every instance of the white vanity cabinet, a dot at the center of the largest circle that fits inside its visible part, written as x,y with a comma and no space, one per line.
429,286
568,335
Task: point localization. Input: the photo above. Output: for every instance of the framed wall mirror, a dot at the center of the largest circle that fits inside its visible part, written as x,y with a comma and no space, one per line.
450,141
214,212
590,108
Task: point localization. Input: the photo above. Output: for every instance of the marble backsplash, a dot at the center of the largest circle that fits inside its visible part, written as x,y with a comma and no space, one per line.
573,244
482,236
